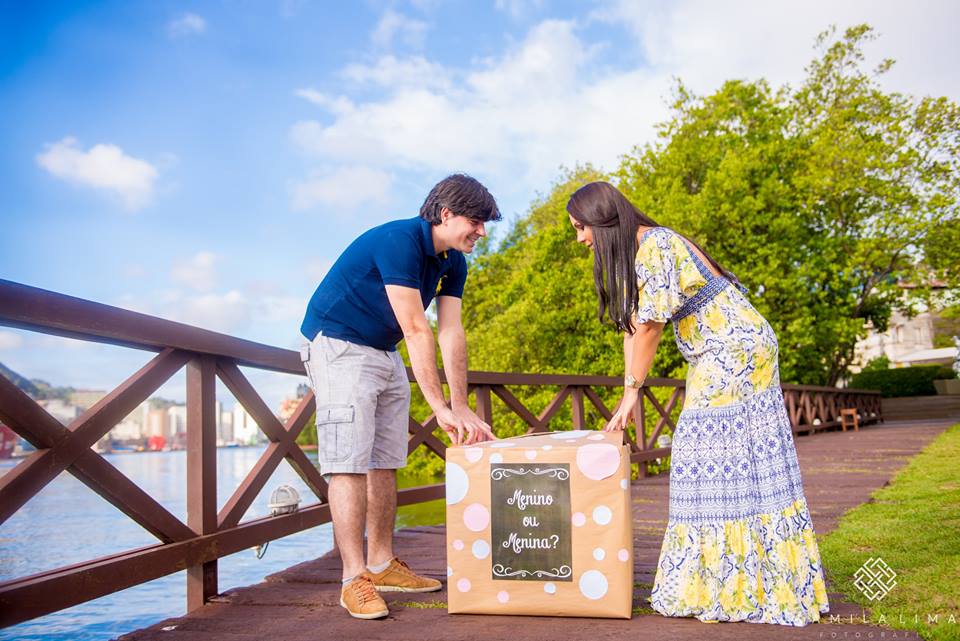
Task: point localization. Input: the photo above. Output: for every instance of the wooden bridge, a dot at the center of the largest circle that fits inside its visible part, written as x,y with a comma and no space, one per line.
209,534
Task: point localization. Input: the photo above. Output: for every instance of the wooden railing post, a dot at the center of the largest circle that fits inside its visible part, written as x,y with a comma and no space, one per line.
639,419
201,472
484,408
576,401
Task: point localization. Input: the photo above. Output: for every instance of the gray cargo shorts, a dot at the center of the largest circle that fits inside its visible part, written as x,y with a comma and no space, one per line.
363,405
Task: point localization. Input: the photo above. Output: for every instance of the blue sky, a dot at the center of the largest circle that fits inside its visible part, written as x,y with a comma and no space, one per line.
207,161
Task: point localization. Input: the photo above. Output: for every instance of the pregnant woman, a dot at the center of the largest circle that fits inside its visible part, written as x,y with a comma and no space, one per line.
739,544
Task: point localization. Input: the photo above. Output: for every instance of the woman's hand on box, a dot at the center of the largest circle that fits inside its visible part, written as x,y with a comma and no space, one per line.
624,412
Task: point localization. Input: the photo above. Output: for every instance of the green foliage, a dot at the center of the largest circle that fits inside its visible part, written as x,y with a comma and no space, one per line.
820,199
308,436
904,381
913,524
878,364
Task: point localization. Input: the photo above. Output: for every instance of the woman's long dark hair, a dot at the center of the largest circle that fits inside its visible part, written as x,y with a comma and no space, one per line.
614,222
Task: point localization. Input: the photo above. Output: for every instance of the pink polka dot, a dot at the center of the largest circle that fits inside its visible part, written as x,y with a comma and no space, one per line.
530,454
503,596
623,555
598,460
473,454
463,585
457,544
596,437
579,519
476,517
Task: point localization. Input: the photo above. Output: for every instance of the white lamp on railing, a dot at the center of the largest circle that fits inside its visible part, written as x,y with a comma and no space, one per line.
663,440
284,500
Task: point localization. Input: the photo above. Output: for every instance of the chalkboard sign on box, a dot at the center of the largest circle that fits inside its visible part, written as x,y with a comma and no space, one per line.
540,525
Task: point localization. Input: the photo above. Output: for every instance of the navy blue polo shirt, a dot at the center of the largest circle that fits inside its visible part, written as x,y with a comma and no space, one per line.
351,302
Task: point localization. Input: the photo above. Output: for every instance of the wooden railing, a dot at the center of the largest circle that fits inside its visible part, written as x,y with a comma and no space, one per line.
209,534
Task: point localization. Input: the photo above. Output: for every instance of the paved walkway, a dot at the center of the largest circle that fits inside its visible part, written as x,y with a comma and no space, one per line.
840,470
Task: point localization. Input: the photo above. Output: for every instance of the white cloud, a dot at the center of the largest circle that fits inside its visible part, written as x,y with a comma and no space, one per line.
705,43
333,104
555,98
394,73
518,117
9,340
186,25
61,342
197,272
343,189
105,167
518,8
228,312
393,25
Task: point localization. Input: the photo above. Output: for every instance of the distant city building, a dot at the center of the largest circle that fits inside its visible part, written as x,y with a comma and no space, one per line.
926,338
63,411
907,342
85,399
125,431
245,429
156,424
287,407
225,428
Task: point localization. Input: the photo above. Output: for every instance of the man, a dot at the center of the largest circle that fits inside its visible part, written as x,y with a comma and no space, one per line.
374,296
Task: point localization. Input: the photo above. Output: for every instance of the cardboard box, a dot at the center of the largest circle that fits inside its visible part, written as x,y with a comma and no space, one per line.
541,525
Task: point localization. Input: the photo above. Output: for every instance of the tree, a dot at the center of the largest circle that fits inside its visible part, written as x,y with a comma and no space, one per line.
820,199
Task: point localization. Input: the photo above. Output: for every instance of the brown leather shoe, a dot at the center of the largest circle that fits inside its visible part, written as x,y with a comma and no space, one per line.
398,577
361,600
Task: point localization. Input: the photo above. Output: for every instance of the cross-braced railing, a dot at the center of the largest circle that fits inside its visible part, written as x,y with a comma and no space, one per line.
209,534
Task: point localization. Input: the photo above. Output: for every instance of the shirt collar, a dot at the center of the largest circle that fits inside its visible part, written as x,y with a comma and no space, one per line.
427,240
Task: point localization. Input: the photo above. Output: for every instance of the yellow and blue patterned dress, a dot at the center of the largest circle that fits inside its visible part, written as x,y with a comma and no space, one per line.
739,544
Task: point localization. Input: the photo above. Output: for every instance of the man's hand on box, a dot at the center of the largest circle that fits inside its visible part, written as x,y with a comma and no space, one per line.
477,429
452,424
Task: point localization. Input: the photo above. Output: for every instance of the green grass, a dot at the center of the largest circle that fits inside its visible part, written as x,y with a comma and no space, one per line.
913,524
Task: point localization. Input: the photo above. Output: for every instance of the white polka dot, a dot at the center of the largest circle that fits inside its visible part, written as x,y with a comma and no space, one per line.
457,544
504,444
530,454
579,518
624,484
449,571
602,515
567,436
550,588
593,585
598,461
623,555
546,448
596,437
464,584
473,454
503,596
458,483
496,457
476,517
480,548
599,554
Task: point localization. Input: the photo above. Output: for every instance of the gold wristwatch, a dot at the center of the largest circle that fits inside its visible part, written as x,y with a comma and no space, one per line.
630,381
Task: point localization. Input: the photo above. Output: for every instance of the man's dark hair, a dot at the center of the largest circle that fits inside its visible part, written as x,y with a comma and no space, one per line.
463,196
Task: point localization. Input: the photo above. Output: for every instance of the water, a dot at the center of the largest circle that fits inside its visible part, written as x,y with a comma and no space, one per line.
68,523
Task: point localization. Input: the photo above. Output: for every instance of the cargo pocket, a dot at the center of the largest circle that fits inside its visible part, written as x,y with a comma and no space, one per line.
335,432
